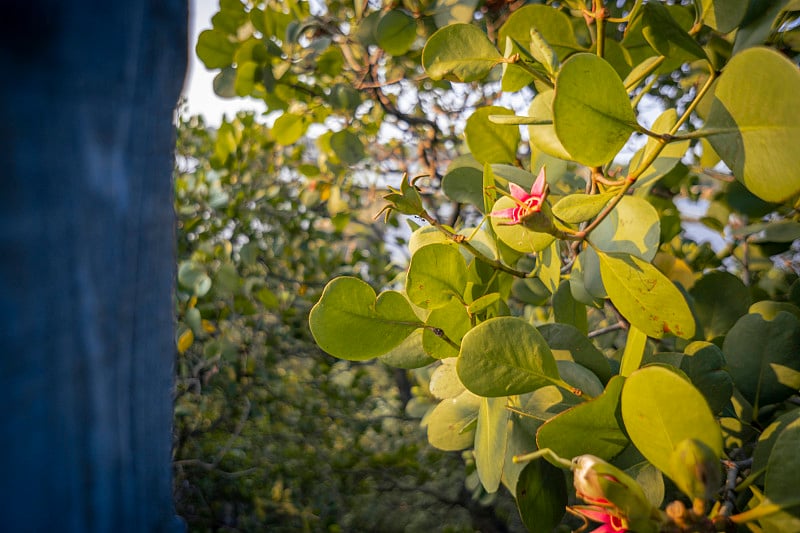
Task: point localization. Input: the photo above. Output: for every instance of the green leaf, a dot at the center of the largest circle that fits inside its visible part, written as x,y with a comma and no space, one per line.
768,437
397,31
289,127
454,321
783,470
579,207
591,111
660,409
491,437
543,135
705,365
193,276
541,496
553,26
349,322
505,356
459,52
666,36
566,433
763,119
490,142
436,274
568,311
720,299
463,181
645,297
444,382
448,421
633,227
579,379
723,15
348,147
762,357
567,343
215,49
408,354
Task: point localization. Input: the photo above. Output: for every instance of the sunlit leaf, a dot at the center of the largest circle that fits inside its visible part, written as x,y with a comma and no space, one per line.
350,322
762,118
505,356
660,409
491,436
459,52
436,274
490,142
591,111
448,421
565,433
645,297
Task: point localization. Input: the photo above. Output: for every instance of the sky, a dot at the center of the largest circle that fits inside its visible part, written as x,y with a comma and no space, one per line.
198,88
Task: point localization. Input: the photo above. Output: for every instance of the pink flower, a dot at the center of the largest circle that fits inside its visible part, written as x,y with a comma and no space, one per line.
527,204
611,523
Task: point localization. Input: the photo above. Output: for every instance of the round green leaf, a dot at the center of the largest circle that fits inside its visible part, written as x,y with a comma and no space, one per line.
459,52
660,409
645,297
566,433
541,496
762,357
505,356
349,322
490,142
591,111
633,227
396,32
437,273
215,49
763,114
448,421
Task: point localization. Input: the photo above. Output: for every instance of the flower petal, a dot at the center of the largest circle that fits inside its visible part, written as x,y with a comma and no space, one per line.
504,213
518,192
540,184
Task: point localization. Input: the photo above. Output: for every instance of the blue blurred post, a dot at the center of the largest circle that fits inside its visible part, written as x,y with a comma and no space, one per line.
87,263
